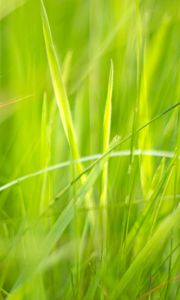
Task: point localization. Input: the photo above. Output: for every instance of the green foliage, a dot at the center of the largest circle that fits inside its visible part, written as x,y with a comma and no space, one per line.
90,149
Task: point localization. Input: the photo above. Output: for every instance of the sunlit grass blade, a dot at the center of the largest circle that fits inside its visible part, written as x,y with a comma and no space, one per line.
59,88
106,134
106,139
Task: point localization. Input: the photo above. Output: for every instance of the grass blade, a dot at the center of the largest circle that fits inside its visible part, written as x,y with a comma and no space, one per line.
106,139
106,134
59,88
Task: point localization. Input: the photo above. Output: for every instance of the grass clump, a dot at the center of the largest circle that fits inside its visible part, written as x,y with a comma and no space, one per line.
89,155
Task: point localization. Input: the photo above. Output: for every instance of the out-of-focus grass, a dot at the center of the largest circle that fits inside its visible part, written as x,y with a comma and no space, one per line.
59,103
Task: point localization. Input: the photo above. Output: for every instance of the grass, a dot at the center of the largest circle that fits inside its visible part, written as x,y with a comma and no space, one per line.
90,149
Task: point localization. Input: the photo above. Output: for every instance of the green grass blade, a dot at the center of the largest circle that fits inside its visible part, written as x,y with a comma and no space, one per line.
106,134
106,139
59,88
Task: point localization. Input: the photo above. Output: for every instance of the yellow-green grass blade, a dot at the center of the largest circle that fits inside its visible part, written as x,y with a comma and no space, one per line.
106,134
106,139
59,88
